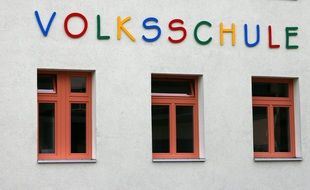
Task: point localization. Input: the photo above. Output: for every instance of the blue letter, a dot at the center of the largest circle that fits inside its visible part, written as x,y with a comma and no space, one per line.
246,36
151,19
44,31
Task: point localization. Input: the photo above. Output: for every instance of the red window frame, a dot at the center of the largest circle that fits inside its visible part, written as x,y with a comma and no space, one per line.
173,100
270,103
62,97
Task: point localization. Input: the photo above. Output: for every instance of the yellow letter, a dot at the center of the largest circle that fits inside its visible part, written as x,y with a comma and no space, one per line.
121,28
231,30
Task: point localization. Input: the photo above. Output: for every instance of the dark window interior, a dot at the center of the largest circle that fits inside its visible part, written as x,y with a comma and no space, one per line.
281,129
260,129
46,128
270,89
78,84
160,128
46,82
78,128
172,87
185,126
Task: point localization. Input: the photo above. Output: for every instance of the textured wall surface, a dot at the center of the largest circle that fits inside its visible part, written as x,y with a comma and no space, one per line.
123,94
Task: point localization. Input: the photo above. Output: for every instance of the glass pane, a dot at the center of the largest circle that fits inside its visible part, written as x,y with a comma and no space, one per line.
46,128
78,84
260,129
281,129
185,126
175,87
78,128
160,129
270,89
46,82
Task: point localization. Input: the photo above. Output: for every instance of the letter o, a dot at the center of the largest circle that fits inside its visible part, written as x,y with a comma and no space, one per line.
66,25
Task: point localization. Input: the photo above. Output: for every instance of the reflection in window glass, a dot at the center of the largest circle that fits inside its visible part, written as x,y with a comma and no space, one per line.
78,128
185,134
270,89
282,129
46,128
78,84
46,82
160,129
174,87
260,129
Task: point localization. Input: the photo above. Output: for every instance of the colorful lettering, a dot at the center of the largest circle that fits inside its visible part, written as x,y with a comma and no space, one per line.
231,30
99,36
290,31
196,31
44,31
121,27
178,28
271,45
66,25
246,36
151,27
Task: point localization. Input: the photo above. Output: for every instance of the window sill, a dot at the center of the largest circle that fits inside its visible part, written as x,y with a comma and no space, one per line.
277,159
180,160
65,161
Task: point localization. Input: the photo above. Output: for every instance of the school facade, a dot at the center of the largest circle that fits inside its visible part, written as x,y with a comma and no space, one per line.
155,95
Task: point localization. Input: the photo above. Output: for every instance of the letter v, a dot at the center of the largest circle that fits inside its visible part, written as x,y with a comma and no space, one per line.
44,31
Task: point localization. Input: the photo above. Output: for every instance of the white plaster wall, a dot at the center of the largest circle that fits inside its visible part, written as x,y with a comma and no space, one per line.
123,100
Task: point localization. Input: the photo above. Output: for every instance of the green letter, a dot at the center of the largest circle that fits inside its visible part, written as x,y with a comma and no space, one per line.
196,30
99,37
288,35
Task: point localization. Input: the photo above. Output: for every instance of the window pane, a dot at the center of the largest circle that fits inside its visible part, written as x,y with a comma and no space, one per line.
270,89
282,129
260,129
160,129
78,128
46,82
78,84
185,123
175,87
46,128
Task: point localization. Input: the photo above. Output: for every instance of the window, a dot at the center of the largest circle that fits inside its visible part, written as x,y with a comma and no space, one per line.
64,115
46,83
175,117
273,118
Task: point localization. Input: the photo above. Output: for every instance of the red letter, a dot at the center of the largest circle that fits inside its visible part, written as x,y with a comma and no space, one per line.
270,38
177,29
66,25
